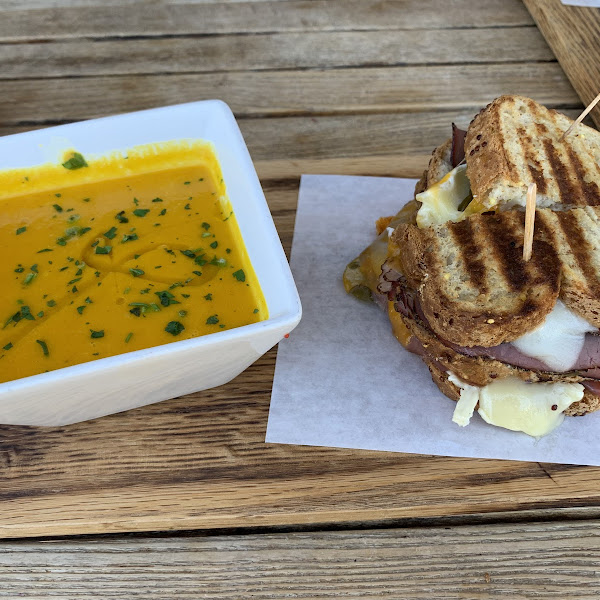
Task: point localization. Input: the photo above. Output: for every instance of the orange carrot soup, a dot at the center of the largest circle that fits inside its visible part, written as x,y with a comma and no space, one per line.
118,253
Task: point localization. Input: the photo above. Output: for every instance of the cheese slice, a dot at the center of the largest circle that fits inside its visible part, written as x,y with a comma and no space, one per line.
558,341
440,202
533,408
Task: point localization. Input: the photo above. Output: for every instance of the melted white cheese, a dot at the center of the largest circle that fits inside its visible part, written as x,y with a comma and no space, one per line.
440,202
558,341
517,405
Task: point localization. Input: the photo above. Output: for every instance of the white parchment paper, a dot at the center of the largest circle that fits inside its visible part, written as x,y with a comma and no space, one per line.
342,379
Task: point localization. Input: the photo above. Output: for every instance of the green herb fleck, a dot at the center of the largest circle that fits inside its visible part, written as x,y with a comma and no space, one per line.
29,278
206,234
102,249
8,346
21,230
214,245
255,310
75,162
199,273
19,269
188,253
208,297
128,338
86,199
121,217
218,262
44,347
88,300
58,195
157,200
128,237
136,202
74,281
212,320
187,207
166,298
136,272
174,327
51,303
162,212
40,314
80,309
57,208
206,226
44,250
240,275
96,334
111,233
182,313
73,218
141,212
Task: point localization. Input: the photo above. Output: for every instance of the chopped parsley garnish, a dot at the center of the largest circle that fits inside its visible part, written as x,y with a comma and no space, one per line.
40,314
166,298
51,303
227,217
136,201
128,237
208,297
129,336
206,226
58,195
73,218
240,275
44,250
182,313
86,199
57,207
162,212
136,272
111,233
186,182
185,295
8,346
141,212
96,334
199,273
188,253
29,278
21,230
26,313
206,234
102,249
255,310
174,327
75,162
157,200
44,347
214,245
74,281
212,320
80,309
121,217
218,262
187,207
200,260
19,269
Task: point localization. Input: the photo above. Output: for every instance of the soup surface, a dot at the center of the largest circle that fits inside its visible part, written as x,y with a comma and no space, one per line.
120,253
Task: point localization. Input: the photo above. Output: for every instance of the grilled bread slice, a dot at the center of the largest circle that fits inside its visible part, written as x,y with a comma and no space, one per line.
476,290
474,287
515,141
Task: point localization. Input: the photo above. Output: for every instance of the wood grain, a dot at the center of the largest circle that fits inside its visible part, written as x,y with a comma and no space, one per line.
512,561
169,18
271,51
573,33
309,92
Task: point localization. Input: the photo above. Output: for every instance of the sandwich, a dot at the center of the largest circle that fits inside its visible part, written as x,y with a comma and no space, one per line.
517,341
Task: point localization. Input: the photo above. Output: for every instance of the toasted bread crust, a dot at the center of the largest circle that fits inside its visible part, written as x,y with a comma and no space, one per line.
589,403
514,141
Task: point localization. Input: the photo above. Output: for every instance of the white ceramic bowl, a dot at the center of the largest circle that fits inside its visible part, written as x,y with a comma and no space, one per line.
119,383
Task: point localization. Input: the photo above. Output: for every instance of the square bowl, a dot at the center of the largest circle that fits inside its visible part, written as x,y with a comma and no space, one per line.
118,383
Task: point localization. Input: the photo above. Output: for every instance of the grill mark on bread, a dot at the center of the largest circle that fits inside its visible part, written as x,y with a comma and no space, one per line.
464,236
568,194
508,251
580,248
589,190
533,164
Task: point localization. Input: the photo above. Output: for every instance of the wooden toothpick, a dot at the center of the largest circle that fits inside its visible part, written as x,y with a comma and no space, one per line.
581,117
529,221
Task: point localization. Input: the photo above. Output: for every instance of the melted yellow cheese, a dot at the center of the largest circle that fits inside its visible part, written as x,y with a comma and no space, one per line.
128,252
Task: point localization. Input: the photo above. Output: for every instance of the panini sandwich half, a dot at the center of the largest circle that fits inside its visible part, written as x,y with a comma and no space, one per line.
517,341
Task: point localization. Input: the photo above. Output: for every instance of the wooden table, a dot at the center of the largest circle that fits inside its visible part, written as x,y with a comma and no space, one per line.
183,499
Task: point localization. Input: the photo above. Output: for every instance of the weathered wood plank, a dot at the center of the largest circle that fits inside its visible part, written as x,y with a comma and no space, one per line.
394,144
272,51
540,560
398,89
573,33
159,18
